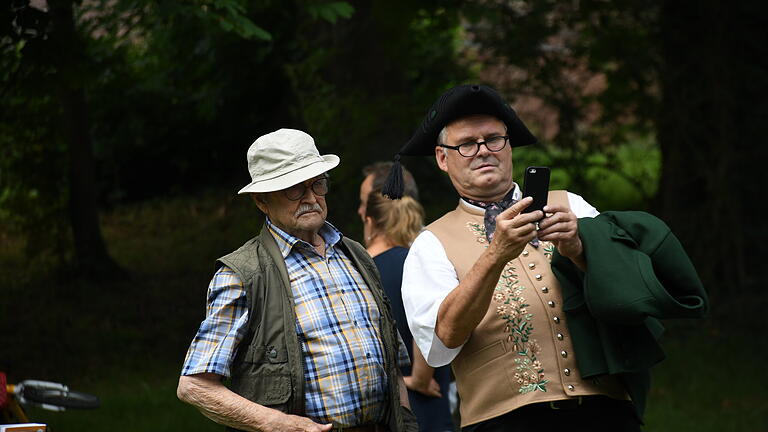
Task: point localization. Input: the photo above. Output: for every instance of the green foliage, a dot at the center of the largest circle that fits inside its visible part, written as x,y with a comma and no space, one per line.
585,77
331,11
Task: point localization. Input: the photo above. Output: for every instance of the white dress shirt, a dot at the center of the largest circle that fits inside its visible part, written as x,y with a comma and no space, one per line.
428,277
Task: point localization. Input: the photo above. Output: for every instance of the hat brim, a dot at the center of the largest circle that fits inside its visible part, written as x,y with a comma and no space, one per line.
462,101
291,178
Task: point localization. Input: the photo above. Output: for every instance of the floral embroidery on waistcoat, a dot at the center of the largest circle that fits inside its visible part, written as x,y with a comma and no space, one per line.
478,230
512,308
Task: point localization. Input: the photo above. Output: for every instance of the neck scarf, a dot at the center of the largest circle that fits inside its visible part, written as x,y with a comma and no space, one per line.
493,209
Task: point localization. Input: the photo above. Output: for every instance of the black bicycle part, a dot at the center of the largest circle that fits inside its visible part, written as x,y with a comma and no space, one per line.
61,398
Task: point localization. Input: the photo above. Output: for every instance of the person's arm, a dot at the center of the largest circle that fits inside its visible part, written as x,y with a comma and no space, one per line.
206,392
421,378
464,307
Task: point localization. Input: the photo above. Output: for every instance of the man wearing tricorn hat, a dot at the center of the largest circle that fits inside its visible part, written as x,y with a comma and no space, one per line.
480,291
296,317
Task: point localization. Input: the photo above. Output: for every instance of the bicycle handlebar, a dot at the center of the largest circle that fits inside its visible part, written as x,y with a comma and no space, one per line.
51,396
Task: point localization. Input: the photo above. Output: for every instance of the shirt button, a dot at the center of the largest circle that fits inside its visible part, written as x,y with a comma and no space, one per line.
556,320
342,290
368,355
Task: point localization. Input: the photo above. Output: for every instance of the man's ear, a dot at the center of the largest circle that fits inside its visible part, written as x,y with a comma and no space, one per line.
260,199
440,156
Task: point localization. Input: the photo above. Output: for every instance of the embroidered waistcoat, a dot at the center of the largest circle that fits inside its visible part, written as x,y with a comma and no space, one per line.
521,352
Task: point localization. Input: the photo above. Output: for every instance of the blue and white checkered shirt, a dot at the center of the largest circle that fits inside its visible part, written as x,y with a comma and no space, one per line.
337,324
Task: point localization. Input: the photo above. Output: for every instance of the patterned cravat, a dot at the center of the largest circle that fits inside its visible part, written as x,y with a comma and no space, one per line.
493,209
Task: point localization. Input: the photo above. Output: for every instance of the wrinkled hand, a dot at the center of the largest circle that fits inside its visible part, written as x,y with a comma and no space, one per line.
428,388
561,228
292,423
514,230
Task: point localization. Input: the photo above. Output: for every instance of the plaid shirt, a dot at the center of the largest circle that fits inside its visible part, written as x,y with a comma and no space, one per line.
337,324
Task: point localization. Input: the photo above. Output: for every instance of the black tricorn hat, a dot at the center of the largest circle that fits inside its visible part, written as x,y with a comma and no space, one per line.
460,101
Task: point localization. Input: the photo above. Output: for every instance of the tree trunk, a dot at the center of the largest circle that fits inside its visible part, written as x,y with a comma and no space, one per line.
709,111
91,255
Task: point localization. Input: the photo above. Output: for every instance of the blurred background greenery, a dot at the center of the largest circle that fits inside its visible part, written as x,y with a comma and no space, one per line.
124,126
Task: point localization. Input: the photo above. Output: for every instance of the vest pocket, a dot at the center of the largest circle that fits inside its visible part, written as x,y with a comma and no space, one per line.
484,355
268,377
272,389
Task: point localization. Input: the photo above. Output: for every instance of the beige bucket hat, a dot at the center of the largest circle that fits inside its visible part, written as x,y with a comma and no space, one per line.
283,158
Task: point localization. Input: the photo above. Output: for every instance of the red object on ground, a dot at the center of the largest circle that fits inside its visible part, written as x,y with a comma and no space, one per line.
3,391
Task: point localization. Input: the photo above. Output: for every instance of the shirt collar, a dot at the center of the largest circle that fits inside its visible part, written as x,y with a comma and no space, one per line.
516,195
286,242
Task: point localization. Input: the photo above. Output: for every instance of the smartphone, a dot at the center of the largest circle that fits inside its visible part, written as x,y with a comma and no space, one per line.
536,185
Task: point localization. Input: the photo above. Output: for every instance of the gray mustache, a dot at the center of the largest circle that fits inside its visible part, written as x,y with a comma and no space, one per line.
306,208
489,160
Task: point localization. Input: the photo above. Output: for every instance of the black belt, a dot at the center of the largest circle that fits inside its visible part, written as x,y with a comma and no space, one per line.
565,404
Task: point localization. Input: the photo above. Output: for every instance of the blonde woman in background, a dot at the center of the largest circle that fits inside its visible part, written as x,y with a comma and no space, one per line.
389,227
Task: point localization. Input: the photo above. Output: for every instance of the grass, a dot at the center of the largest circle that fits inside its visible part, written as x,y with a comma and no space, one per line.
125,341
712,380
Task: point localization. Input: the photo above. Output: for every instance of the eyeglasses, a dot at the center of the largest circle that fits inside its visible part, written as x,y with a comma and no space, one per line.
470,148
319,187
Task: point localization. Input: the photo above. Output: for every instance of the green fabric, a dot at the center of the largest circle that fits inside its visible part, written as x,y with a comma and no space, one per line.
637,273
269,366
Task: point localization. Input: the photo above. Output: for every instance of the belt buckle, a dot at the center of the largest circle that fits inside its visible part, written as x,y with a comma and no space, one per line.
565,403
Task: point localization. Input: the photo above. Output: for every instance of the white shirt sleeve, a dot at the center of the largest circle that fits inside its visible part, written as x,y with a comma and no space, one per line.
428,277
580,207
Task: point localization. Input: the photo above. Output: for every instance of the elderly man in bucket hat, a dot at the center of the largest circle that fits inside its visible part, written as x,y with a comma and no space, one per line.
550,323
296,317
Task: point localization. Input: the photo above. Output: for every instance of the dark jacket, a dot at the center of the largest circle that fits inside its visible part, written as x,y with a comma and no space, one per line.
637,273
269,365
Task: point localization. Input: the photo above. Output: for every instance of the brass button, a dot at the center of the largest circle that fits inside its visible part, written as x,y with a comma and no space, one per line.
556,320
525,253
559,336
544,290
567,372
538,277
564,353
551,303
531,266
571,387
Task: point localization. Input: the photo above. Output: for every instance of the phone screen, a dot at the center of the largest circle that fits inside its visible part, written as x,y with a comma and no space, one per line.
536,185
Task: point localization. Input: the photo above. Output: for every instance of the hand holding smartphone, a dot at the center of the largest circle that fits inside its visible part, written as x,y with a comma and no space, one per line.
536,185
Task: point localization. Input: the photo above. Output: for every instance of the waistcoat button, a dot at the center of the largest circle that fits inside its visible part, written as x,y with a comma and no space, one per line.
564,354
571,387
531,266
567,372
556,320
559,336
551,303
544,290
538,277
